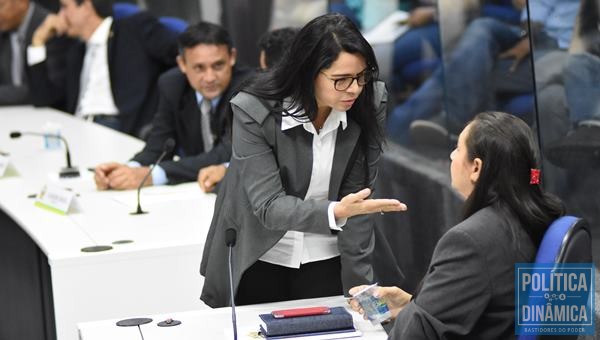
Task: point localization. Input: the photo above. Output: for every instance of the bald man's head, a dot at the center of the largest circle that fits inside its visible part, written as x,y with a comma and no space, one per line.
12,13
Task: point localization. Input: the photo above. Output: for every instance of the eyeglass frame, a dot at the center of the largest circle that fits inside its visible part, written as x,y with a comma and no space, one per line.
369,71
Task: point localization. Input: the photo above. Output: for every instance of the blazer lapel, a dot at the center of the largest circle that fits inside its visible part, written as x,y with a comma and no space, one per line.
344,146
110,51
294,155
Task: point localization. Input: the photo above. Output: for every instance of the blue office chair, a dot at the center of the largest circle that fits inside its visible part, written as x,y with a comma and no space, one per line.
567,240
123,9
175,24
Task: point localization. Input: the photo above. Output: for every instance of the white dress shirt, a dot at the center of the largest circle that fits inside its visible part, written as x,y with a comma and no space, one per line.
95,93
295,247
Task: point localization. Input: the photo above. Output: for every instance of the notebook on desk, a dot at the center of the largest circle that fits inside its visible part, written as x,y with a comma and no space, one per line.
337,324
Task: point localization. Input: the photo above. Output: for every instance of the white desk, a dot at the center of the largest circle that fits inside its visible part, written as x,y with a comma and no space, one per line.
214,323
157,272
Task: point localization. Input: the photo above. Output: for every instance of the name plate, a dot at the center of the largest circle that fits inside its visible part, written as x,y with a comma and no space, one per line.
55,199
4,163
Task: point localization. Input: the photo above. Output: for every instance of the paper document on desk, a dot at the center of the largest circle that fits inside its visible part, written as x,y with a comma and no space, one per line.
249,334
328,335
389,29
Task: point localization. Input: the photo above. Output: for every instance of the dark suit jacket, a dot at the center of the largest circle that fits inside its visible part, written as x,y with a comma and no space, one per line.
9,93
468,292
139,50
262,196
179,117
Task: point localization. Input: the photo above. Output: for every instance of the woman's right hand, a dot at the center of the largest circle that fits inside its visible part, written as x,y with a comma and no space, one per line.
394,297
359,204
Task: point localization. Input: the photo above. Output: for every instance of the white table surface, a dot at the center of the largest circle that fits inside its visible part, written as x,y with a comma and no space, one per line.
214,323
158,271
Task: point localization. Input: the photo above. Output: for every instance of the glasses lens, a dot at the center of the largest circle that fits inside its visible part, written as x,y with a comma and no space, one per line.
343,83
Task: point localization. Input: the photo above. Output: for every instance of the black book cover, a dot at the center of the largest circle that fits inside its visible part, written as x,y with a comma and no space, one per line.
338,318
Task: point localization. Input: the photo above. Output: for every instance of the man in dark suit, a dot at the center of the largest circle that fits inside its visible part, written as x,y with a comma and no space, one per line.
18,20
193,109
111,71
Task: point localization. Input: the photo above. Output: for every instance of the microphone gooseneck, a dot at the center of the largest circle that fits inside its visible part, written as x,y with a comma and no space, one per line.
230,238
167,147
69,170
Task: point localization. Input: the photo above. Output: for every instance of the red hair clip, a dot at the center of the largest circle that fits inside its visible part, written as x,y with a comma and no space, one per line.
534,176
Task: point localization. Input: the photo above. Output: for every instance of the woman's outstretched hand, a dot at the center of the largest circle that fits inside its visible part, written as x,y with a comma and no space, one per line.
359,204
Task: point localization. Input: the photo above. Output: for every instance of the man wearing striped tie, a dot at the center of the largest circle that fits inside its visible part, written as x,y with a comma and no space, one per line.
192,110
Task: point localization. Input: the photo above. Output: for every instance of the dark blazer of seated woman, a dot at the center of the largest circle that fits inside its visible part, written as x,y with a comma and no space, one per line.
468,291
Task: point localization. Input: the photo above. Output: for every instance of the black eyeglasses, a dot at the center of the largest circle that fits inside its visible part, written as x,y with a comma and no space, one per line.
342,84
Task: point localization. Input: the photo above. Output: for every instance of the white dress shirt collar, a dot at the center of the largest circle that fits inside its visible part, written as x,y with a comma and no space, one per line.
334,120
101,34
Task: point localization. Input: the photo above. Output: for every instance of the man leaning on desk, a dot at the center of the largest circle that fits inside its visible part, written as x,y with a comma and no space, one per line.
192,111
110,69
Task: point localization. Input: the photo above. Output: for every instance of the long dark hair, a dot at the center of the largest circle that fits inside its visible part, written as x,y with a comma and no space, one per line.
507,149
315,47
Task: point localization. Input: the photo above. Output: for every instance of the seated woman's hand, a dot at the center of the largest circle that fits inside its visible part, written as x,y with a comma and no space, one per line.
394,297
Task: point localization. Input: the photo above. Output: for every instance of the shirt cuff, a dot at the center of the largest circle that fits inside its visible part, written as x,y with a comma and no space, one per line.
159,176
333,224
36,55
226,165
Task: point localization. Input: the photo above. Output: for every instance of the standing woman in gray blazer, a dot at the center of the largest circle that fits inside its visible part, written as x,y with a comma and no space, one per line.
468,291
307,138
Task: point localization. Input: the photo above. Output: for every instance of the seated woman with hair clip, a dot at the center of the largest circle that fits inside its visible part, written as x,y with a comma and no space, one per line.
468,291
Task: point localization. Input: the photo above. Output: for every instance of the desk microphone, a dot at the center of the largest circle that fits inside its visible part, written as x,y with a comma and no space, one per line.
69,171
230,238
167,147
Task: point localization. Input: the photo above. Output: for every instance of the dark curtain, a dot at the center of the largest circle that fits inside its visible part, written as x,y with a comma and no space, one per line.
246,21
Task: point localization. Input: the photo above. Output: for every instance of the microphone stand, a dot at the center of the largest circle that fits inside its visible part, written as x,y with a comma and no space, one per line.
69,170
230,238
233,318
139,210
167,147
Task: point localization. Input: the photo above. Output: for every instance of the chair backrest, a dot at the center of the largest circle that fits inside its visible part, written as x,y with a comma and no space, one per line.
175,24
567,240
123,9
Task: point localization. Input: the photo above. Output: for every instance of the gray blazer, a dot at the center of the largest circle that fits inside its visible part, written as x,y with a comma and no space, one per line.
468,291
262,195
